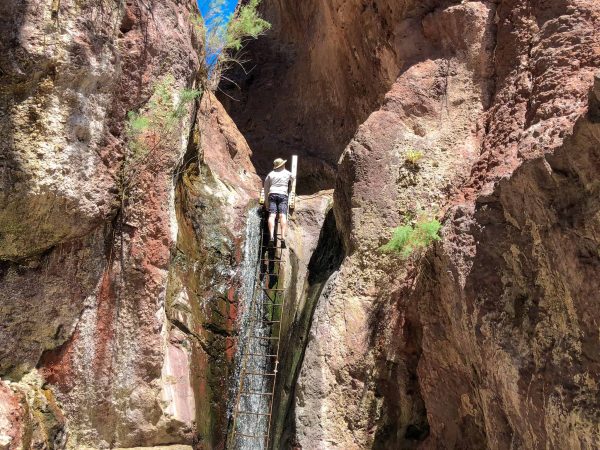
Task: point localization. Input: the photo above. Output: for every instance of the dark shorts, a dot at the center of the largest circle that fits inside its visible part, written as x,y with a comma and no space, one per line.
278,203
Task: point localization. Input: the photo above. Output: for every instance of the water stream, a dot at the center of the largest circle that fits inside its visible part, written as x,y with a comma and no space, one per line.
253,311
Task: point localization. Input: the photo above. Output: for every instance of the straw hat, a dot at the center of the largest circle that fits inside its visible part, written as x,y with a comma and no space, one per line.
278,163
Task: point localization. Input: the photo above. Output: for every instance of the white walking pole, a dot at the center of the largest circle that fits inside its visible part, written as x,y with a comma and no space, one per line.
292,201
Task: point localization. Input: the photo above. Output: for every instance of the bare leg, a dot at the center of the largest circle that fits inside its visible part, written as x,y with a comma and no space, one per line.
271,223
283,225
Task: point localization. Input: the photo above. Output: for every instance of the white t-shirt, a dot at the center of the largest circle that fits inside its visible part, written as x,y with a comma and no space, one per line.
277,182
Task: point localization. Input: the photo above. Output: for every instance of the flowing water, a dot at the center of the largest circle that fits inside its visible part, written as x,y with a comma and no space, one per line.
253,311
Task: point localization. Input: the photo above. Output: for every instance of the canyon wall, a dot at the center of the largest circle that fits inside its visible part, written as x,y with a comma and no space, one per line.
120,237
487,340
320,71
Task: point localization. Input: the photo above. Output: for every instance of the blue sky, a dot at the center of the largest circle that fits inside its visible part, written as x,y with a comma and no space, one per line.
204,5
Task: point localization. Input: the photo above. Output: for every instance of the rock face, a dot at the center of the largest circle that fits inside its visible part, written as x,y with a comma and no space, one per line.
318,74
109,333
510,308
122,236
213,196
315,252
487,340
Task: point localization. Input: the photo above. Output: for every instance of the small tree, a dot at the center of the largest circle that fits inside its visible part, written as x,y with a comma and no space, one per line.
224,36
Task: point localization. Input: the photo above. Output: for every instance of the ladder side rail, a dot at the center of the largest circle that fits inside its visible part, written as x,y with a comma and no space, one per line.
277,343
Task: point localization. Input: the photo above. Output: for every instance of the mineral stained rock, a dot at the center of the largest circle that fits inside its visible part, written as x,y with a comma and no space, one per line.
119,271
216,188
95,337
83,269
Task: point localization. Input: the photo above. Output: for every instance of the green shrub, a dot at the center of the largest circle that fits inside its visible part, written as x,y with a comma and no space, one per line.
413,157
154,126
406,238
223,37
245,24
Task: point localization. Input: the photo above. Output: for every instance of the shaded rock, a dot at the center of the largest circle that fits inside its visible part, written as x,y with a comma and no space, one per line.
495,99
216,188
359,366
88,266
317,75
315,252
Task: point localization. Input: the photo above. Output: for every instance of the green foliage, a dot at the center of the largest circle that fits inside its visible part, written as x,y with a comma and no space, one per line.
186,97
245,24
406,238
224,37
413,157
156,125
136,126
136,123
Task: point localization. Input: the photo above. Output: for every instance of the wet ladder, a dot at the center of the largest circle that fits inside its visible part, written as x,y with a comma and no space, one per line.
253,407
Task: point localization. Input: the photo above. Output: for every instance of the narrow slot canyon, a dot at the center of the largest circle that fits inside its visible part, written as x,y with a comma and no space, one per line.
441,271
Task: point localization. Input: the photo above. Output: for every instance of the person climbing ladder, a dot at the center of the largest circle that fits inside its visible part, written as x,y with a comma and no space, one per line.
277,191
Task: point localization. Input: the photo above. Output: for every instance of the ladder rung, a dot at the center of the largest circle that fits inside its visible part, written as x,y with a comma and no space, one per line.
256,393
265,321
271,289
271,260
253,413
278,296
256,436
264,337
258,354
262,374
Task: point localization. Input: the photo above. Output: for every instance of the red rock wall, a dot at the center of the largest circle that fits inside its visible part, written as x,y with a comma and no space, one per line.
320,71
213,198
487,340
510,315
117,317
89,280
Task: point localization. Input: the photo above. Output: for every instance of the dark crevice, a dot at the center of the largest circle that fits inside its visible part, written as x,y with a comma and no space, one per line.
182,327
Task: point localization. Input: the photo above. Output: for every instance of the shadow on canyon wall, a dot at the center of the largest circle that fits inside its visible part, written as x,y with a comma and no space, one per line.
318,74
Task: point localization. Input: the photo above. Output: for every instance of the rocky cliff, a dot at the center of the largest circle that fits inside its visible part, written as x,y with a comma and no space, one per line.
120,235
122,232
488,339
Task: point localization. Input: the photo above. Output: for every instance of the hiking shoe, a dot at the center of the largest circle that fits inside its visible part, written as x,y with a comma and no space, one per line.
271,243
283,244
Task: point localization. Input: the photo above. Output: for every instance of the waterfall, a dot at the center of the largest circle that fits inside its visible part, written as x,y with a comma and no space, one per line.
253,310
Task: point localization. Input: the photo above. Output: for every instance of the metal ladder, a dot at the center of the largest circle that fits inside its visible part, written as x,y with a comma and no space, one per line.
258,374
